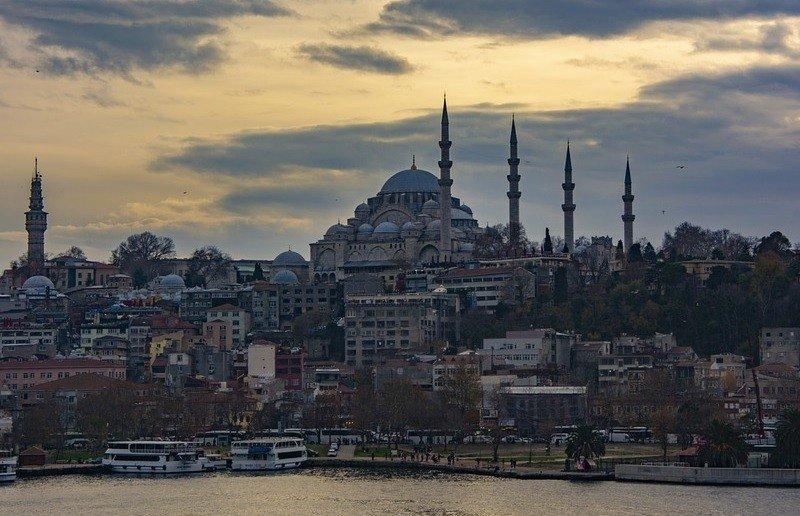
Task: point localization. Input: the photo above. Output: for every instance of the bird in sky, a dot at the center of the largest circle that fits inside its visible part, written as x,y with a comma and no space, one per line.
681,167
186,192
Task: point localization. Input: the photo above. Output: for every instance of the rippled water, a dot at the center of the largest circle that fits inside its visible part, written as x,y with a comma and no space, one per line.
355,492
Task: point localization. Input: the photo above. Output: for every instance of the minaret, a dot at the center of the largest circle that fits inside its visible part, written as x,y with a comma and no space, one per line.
36,223
513,193
568,206
627,199
445,244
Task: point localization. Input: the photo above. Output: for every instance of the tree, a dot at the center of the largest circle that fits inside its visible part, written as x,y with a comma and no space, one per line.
560,292
663,421
722,446
775,243
635,253
139,254
787,440
461,397
73,252
649,253
585,443
495,242
110,413
258,272
619,253
547,245
45,423
208,265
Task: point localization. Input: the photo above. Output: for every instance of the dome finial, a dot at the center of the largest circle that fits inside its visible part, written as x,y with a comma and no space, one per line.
413,162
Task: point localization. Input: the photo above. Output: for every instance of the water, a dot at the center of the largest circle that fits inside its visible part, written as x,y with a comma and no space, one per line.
349,492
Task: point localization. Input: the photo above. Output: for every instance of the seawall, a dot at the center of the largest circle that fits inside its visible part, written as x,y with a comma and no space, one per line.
420,466
708,476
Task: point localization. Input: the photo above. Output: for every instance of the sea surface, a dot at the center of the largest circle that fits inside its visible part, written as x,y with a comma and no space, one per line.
347,492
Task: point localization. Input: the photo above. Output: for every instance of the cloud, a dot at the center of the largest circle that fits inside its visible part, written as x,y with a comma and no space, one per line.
364,59
770,38
535,19
736,133
120,36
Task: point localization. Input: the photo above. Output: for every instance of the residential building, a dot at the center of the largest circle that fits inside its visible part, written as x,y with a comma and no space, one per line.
780,346
531,349
196,302
261,359
25,340
535,410
384,326
447,365
486,287
227,326
21,377
92,331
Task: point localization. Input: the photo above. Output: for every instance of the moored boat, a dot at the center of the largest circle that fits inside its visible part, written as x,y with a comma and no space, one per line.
269,453
8,466
153,457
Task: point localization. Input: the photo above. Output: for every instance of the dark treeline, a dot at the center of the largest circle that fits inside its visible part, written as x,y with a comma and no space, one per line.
654,293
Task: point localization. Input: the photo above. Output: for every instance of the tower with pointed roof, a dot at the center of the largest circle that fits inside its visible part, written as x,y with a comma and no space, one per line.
36,223
628,216
445,182
569,205
513,193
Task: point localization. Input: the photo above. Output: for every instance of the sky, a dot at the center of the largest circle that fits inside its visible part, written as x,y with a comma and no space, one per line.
254,125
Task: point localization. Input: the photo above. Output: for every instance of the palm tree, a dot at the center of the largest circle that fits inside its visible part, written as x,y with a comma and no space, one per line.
585,442
787,440
722,446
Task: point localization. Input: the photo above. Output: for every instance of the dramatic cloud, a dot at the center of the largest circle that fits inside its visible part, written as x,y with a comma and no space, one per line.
736,135
771,38
87,36
365,59
542,18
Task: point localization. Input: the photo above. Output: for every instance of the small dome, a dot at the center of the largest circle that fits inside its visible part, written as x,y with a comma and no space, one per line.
337,229
365,229
362,208
172,281
457,214
466,209
289,259
38,283
386,228
430,204
407,225
285,277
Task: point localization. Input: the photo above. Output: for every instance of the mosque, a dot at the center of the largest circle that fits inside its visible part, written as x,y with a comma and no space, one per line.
401,225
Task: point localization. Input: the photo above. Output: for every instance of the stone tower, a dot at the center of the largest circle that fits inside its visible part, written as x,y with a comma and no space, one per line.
628,216
445,182
568,206
513,193
36,223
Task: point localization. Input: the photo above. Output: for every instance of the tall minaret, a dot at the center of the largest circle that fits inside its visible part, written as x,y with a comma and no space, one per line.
627,199
568,206
445,244
36,223
513,193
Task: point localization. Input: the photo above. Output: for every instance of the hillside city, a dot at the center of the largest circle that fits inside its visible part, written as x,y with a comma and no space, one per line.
412,324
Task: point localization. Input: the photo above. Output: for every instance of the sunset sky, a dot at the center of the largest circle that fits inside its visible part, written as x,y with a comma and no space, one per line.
277,118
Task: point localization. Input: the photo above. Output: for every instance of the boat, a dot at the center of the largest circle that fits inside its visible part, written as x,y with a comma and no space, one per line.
269,453
213,462
153,457
8,466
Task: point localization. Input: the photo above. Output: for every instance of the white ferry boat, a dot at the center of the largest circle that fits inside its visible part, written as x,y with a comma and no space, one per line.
8,466
269,453
154,457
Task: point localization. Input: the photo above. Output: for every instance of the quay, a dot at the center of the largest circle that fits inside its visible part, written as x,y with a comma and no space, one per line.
707,476
52,470
520,473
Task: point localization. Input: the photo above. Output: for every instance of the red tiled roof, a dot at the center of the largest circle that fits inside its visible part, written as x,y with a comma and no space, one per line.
83,382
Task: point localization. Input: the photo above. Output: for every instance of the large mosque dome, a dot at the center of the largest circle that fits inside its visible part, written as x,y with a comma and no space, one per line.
411,180
289,259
